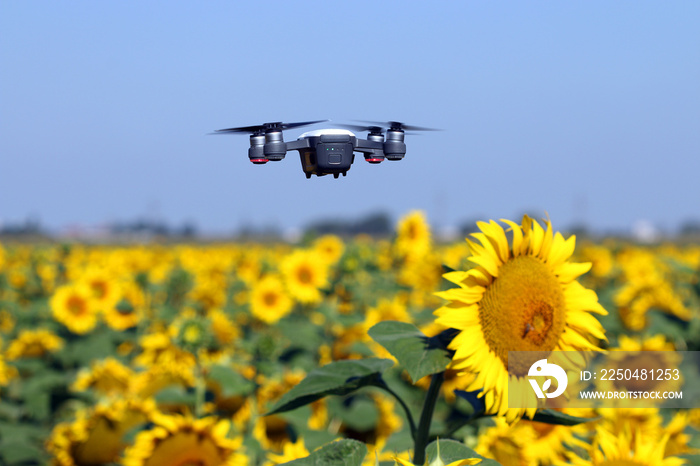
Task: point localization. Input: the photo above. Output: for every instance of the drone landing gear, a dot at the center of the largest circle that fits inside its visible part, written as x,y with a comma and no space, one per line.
335,175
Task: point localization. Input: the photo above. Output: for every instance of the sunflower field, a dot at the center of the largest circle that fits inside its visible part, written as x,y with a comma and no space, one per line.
351,352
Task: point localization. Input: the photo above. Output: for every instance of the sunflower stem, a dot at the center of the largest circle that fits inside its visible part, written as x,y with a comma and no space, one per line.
426,416
199,393
409,416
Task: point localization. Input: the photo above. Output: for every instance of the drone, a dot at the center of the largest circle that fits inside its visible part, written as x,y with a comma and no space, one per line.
326,151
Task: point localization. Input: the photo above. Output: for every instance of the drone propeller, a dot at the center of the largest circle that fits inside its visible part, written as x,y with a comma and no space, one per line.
266,127
398,126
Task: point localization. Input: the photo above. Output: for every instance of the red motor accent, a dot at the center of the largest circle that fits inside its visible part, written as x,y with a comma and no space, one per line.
374,160
259,161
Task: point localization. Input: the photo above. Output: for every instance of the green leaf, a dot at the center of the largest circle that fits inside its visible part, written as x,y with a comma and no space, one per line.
416,352
38,406
336,378
230,381
360,414
16,451
690,459
550,416
345,452
24,432
10,411
300,333
83,350
477,402
176,395
452,450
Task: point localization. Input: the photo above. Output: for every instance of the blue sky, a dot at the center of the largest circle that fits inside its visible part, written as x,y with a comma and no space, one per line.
589,111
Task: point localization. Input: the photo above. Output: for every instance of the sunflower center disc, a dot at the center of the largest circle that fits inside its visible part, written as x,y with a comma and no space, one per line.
523,309
270,298
305,275
619,462
76,306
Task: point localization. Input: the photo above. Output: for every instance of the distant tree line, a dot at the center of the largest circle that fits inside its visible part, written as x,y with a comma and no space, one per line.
375,224
155,228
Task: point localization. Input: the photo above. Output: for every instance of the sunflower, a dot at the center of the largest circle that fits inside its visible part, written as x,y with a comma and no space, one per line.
108,376
413,235
271,389
694,418
452,380
166,365
104,287
394,309
646,285
377,434
194,334
73,306
7,372
209,292
96,436
269,301
47,274
609,449
551,442
238,407
248,266
646,422
438,461
290,451
224,329
506,444
272,432
330,247
601,259
150,382
423,275
160,348
678,440
387,309
305,273
520,297
180,440
7,321
128,309
33,344
654,354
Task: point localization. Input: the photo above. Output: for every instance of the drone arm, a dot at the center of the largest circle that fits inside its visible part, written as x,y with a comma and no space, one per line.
366,146
298,144
372,150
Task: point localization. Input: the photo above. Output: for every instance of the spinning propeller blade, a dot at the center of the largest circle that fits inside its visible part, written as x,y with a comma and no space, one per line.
266,127
399,126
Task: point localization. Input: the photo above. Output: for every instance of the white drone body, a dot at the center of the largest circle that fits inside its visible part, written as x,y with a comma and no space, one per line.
320,132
